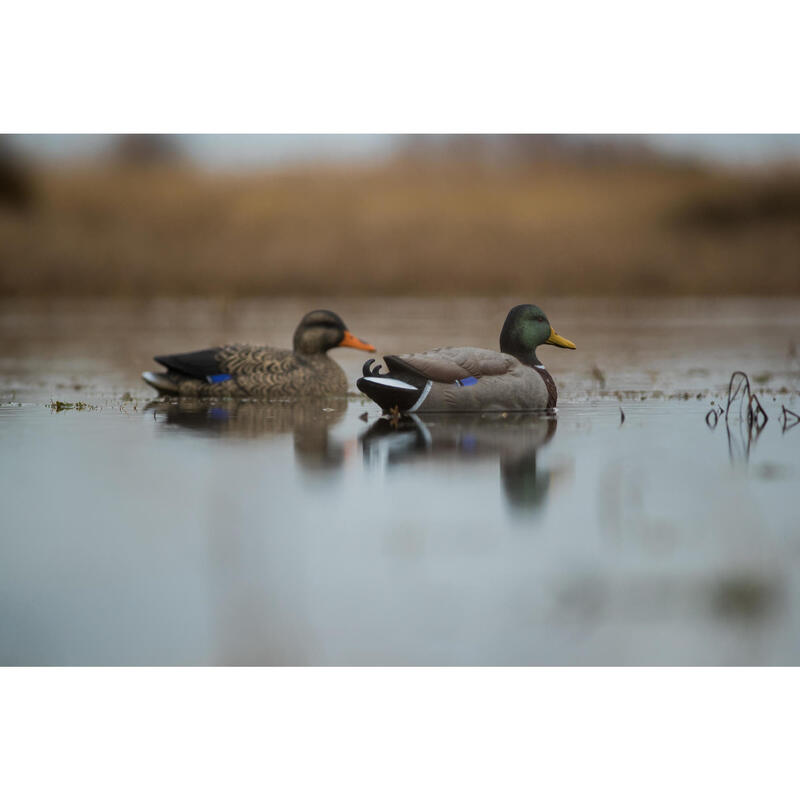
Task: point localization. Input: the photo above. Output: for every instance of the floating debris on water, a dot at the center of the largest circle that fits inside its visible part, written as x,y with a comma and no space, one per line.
395,416
645,394
621,416
60,405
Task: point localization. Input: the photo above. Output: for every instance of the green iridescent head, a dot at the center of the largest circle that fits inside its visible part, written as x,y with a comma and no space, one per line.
525,328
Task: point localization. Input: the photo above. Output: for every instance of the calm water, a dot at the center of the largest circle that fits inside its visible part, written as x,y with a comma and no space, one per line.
136,532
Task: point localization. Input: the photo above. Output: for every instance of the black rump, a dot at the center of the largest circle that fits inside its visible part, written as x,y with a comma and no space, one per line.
199,364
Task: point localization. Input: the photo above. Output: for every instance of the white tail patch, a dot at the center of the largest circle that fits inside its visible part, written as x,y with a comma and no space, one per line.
160,382
393,382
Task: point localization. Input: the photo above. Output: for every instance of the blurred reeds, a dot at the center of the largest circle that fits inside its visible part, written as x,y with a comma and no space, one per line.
409,226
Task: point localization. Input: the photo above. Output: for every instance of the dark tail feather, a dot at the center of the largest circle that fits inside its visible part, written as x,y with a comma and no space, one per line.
400,388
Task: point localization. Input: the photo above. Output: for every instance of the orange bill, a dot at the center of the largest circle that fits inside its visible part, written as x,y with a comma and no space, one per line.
348,340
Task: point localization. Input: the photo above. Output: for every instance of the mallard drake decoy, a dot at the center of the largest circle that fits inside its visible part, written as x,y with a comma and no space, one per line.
513,439
471,378
240,370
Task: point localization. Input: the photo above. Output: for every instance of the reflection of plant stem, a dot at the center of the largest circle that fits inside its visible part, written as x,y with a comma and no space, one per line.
752,417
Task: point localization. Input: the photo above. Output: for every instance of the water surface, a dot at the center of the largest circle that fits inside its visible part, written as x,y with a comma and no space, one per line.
138,531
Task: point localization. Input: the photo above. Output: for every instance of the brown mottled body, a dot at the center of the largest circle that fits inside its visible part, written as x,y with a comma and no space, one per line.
268,373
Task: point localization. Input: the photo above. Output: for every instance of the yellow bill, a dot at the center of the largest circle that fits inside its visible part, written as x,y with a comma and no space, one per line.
559,341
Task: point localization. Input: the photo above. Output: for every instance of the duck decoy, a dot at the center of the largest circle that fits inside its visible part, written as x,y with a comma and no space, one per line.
236,418
240,370
454,439
472,378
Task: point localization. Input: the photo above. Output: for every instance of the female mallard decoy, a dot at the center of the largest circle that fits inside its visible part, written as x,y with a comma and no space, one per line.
471,378
241,370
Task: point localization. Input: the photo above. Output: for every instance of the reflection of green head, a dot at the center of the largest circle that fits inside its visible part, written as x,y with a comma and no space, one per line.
525,328
525,488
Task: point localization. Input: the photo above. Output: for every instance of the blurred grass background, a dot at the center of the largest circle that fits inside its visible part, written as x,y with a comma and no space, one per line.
539,215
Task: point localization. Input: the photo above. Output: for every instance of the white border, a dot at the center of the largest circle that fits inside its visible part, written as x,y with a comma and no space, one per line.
399,733
312,66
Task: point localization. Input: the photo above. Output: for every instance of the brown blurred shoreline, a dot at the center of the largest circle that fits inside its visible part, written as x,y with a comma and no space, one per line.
405,227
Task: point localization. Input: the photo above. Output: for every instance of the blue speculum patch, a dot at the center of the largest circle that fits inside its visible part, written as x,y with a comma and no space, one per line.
222,376
467,381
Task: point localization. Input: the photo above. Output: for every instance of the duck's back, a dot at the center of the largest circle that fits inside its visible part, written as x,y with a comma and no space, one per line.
250,359
448,364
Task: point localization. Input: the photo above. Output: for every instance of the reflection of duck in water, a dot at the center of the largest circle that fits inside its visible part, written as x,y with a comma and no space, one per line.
471,378
308,422
239,370
513,439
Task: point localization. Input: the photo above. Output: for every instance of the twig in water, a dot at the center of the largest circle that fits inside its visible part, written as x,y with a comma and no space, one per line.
744,407
788,419
739,386
756,416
